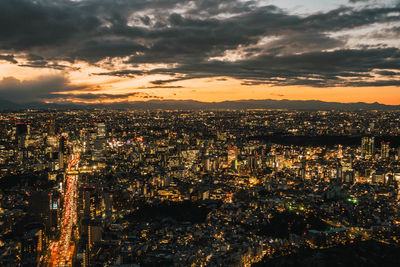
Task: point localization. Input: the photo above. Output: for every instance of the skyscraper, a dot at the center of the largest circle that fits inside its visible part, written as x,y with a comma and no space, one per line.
52,127
99,144
61,152
385,148
101,130
232,154
367,146
21,131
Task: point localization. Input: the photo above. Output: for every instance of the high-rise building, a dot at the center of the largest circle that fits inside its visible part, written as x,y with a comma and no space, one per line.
99,148
61,152
339,173
101,130
40,206
21,131
367,146
206,163
99,144
232,154
385,148
52,127
94,233
32,244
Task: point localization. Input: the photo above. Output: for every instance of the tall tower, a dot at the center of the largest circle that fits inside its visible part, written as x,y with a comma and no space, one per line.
21,132
367,146
52,127
232,154
61,152
339,173
385,148
100,142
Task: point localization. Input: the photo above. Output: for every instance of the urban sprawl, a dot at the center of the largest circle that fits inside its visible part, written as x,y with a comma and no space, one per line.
195,188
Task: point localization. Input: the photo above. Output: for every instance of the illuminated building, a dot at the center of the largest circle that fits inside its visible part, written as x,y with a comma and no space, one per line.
52,127
367,147
21,132
32,245
378,177
385,148
347,172
61,152
232,154
101,130
99,143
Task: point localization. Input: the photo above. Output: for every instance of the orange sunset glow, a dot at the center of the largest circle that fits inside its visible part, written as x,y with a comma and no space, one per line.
170,52
199,133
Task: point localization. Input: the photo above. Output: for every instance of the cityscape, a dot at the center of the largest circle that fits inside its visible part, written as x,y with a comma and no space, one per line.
199,133
198,188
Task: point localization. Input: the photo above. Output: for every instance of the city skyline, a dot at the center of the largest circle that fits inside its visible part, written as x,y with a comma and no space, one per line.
239,133
247,188
103,51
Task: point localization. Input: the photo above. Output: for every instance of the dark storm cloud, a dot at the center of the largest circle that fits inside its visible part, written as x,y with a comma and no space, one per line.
347,18
121,73
38,89
9,58
386,34
89,97
388,73
319,69
56,88
35,61
27,24
161,82
191,39
277,47
215,7
164,87
45,65
161,87
357,1
95,50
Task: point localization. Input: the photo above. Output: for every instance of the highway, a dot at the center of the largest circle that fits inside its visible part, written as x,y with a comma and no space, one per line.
61,251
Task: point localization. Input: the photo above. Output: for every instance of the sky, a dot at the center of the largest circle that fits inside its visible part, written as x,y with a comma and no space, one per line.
100,51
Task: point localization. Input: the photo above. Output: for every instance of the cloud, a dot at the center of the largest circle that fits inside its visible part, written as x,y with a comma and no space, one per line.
28,24
388,73
94,50
99,29
246,40
320,69
99,97
36,89
58,88
121,73
9,58
162,87
161,82
357,1
35,61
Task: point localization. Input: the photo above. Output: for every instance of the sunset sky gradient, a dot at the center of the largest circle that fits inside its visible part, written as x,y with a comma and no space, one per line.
99,51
